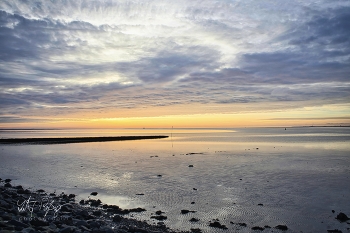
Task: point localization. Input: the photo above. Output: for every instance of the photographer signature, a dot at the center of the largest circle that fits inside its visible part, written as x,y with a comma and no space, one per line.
46,203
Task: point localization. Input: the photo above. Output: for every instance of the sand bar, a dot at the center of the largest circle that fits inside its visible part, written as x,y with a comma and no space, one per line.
74,139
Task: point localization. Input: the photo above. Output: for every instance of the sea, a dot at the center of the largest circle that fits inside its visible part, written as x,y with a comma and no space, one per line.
296,176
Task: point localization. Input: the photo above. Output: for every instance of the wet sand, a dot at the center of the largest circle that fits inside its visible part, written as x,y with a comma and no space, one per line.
74,139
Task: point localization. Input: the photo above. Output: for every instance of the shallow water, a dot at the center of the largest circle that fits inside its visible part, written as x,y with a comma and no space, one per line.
299,175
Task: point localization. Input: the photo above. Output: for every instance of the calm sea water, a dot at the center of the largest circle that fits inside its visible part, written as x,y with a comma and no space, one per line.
299,175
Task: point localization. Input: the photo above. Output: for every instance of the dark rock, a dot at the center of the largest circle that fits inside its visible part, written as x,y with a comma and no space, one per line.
218,225
38,223
342,217
333,211
117,218
159,175
40,191
281,227
334,231
159,212
196,230
260,204
267,226
97,213
159,217
67,229
194,220
137,230
193,202
8,180
106,230
94,224
140,194
7,185
257,228
194,189
83,213
28,230
17,223
20,191
81,223
81,202
95,203
27,191
66,208
94,193
71,196
19,187
187,211
190,165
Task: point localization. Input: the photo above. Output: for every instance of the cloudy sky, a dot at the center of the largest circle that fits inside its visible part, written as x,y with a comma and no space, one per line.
160,63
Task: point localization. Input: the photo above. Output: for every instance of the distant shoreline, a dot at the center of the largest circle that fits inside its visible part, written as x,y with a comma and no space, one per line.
74,139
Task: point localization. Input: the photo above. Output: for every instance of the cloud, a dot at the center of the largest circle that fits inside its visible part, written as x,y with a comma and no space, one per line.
64,56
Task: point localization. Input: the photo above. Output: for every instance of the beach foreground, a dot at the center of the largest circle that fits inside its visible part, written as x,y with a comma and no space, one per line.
37,211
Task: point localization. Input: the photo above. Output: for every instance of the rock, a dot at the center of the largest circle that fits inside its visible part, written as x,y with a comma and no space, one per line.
140,194
18,187
195,189
196,230
218,225
334,231
27,191
159,212
193,202
81,202
267,226
94,193
7,185
106,230
40,191
94,224
67,229
281,227
257,228
159,217
17,223
83,213
95,203
260,204
8,180
20,191
342,217
97,213
159,175
81,223
38,223
194,220
117,218
71,196
190,165
28,230
66,208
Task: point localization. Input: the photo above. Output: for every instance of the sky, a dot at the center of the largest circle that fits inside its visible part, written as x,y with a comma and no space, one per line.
160,63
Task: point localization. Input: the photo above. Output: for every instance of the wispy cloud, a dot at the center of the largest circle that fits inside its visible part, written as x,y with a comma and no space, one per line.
63,56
